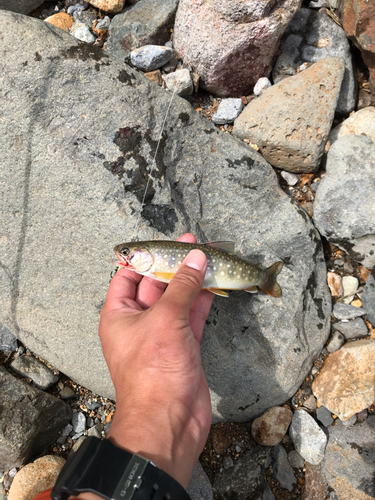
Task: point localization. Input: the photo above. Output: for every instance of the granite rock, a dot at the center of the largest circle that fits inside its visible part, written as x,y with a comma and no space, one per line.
345,384
230,44
290,122
344,206
30,420
205,182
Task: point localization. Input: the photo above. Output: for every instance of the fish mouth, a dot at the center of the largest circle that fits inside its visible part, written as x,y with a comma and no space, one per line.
122,261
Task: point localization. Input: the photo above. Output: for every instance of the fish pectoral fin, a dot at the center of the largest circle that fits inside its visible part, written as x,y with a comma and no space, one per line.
217,291
163,276
251,289
225,246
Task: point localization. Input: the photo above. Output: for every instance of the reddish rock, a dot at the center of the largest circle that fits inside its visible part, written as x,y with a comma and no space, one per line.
271,427
231,44
335,284
108,5
155,76
61,20
358,20
314,488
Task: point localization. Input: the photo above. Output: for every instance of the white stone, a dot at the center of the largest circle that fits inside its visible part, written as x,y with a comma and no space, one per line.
261,85
84,34
180,82
290,178
350,286
150,57
308,438
228,111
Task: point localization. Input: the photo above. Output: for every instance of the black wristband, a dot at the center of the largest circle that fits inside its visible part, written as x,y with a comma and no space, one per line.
100,467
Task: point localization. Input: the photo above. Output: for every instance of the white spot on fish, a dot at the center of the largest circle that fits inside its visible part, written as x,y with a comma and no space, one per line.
222,273
213,260
165,256
179,255
238,276
240,268
220,264
228,265
173,258
179,263
230,272
215,268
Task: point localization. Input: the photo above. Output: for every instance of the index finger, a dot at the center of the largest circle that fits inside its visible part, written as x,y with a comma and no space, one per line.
123,287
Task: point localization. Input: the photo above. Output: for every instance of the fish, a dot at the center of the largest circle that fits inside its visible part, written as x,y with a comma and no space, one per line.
160,259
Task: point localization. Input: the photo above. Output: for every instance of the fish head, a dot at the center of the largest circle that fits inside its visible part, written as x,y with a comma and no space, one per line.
134,257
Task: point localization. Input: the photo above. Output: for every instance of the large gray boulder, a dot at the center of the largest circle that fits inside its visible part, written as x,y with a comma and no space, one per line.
78,132
344,207
21,6
30,420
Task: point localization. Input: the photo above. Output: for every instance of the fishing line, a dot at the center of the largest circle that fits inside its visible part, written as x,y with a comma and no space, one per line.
153,162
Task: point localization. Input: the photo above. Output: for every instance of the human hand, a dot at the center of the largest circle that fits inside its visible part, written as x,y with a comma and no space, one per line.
151,343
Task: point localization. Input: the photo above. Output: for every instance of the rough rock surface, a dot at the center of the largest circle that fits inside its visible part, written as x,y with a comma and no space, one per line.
308,438
290,122
347,311
358,21
40,374
247,479
346,383
145,23
271,427
360,123
312,36
20,6
344,206
314,487
230,44
73,179
348,465
199,487
30,420
36,477
351,329
368,297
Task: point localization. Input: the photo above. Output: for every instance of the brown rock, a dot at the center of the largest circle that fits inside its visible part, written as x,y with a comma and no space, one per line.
365,273
155,76
291,121
61,20
108,5
358,21
335,284
271,427
36,477
346,383
220,440
231,43
313,488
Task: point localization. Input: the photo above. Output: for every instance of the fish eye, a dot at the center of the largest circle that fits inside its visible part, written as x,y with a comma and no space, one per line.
125,251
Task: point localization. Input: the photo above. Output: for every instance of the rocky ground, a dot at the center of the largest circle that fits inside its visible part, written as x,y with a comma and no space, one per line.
318,441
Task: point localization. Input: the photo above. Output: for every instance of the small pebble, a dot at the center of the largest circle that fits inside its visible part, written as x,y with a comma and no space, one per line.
228,111
310,403
84,34
78,422
66,393
290,178
282,470
335,284
356,328
12,472
150,57
60,385
339,263
227,462
350,286
336,342
107,427
362,416
180,82
103,24
67,430
75,8
324,416
261,85
95,431
346,311
295,459
92,406
20,350
60,440
348,268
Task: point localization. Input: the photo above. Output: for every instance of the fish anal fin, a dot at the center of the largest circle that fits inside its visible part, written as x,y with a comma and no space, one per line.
271,286
224,246
217,291
163,276
251,289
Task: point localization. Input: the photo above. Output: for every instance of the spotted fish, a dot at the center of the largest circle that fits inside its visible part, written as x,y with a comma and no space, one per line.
160,260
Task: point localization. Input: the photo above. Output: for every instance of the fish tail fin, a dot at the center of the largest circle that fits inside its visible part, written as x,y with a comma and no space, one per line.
271,286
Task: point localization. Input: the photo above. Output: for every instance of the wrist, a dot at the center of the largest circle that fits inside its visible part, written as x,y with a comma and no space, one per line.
169,439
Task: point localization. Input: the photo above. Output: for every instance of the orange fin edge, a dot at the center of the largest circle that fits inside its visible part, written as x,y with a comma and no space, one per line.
251,289
217,291
163,276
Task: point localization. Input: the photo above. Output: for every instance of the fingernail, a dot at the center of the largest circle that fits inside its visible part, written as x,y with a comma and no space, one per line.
196,259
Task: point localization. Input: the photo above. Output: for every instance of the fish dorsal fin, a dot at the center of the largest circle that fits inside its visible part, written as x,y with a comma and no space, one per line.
224,246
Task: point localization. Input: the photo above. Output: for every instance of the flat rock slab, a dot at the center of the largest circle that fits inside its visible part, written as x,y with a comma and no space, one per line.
146,22
313,36
346,383
230,44
344,206
348,465
290,122
30,420
73,176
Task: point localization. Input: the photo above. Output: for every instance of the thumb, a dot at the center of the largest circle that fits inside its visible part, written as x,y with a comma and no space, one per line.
186,283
